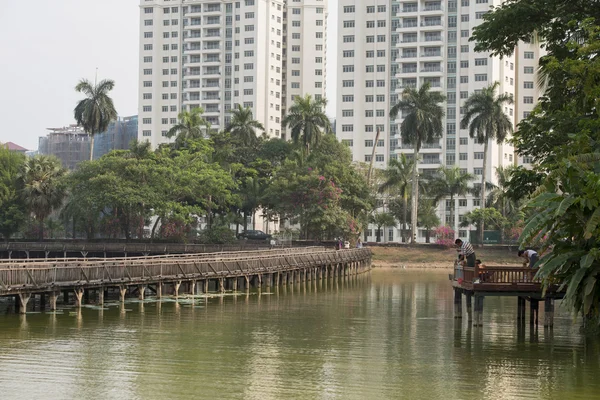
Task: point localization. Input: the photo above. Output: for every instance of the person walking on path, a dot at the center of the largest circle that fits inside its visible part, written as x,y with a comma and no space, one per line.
465,249
530,256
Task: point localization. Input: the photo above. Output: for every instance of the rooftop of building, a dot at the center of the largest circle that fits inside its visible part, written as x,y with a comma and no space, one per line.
14,147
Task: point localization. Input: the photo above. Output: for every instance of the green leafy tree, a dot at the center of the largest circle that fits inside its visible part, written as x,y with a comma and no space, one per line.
428,217
397,179
191,126
423,123
499,196
12,210
450,182
562,136
42,189
381,220
307,121
243,126
484,216
486,121
97,110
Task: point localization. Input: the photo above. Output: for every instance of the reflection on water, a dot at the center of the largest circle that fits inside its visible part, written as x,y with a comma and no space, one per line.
388,335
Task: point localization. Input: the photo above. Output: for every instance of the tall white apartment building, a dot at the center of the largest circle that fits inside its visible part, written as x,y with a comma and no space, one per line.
217,54
386,47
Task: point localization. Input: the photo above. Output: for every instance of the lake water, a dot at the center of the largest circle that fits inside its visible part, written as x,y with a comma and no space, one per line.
387,335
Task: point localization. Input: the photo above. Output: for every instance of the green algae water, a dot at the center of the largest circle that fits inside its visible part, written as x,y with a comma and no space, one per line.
387,335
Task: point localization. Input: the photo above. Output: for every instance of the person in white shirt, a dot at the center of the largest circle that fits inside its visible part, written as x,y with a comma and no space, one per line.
530,256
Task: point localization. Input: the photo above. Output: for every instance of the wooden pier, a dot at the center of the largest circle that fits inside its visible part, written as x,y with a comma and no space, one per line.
517,282
172,274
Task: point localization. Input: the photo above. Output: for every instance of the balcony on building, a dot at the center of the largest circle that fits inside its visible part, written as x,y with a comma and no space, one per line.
195,21
431,22
191,35
432,6
192,48
431,52
212,45
409,8
211,83
432,36
431,67
433,82
212,32
408,68
211,108
407,23
212,71
409,53
214,20
409,38
212,8
193,71
194,10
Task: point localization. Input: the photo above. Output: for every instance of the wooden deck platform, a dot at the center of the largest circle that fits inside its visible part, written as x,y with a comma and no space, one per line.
226,271
514,281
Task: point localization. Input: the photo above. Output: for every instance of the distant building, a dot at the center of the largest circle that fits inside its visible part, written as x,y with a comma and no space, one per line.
14,147
70,144
118,136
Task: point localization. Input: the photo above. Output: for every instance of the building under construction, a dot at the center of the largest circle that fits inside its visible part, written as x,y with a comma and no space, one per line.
70,144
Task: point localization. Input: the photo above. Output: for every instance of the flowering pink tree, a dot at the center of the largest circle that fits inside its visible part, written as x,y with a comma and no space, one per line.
444,236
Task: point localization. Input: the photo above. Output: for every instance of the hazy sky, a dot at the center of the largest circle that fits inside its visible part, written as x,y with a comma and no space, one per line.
47,46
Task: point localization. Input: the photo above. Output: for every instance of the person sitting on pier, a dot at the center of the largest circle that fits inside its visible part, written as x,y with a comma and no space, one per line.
530,256
481,270
465,249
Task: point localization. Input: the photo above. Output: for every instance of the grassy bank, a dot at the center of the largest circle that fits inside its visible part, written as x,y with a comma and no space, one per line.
430,257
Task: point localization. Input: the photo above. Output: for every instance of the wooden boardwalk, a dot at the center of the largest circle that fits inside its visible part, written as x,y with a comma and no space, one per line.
82,249
173,273
518,282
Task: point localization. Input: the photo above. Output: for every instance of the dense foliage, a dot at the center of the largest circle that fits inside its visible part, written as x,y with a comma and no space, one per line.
562,136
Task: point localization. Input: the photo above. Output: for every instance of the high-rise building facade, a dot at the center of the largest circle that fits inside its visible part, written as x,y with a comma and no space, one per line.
385,47
220,54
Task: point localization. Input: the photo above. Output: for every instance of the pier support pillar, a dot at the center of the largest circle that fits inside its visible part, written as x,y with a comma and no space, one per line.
101,296
122,291
548,313
260,280
22,299
520,310
78,297
206,281
193,288
159,288
53,297
457,303
141,291
235,284
176,286
478,311
269,280
469,307
221,285
534,308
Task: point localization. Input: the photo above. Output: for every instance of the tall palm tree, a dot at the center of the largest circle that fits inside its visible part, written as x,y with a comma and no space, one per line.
96,111
307,120
397,178
486,121
191,125
243,125
450,182
499,196
422,124
42,189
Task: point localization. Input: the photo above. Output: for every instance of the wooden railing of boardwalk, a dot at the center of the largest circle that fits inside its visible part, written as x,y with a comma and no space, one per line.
519,282
24,278
64,249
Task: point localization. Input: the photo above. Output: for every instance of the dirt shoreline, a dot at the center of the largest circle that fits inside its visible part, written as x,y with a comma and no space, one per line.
412,265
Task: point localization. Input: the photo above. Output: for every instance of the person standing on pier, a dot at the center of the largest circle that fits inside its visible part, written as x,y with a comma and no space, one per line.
530,256
465,249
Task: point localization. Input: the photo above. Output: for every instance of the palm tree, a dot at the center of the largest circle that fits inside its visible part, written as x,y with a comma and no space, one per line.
450,182
397,178
499,196
307,120
486,121
190,126
243,125
96,111
428,218
382,219
422,124
42,190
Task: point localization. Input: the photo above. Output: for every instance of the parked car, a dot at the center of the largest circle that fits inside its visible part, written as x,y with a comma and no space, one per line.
254,235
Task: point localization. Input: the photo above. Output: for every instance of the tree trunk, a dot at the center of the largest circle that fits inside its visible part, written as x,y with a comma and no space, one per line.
91,147
482,199
254,219
427,240
41,230
404,214
245,221
415,196
154,228
453,213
